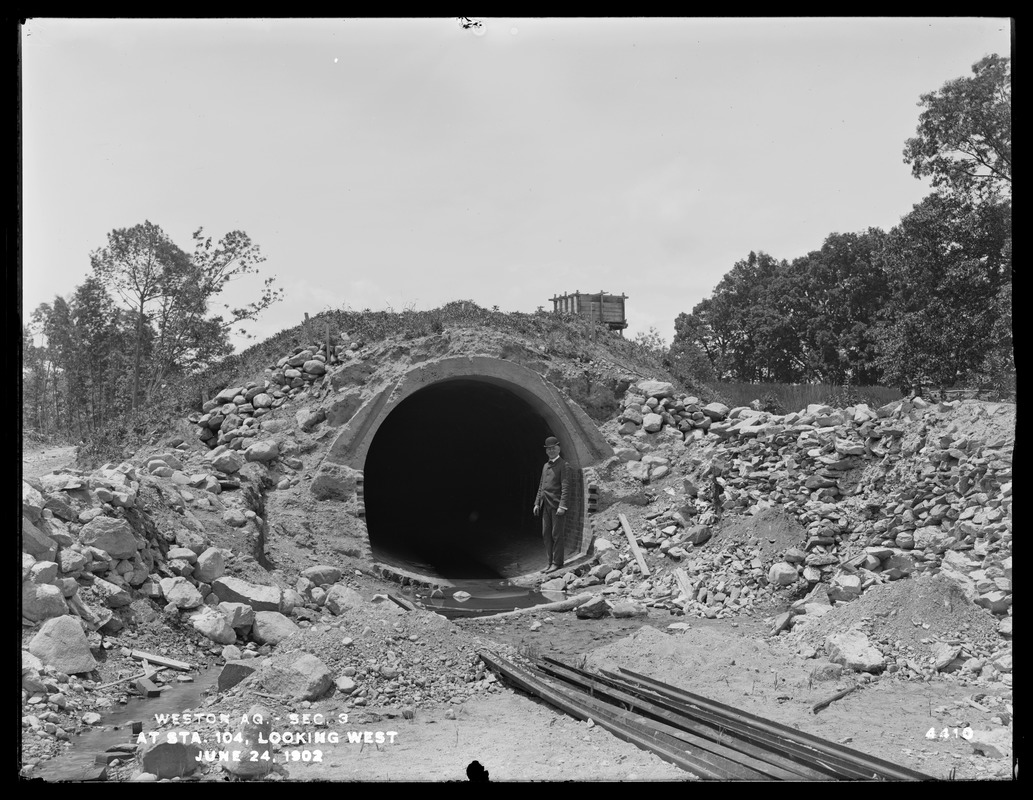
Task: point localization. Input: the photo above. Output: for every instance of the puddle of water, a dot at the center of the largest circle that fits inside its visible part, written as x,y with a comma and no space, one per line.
115,726
486,597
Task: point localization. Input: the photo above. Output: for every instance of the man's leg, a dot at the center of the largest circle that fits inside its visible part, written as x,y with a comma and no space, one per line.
558,527
548,519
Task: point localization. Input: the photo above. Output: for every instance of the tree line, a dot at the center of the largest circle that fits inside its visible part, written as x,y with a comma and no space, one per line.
140,319
927,303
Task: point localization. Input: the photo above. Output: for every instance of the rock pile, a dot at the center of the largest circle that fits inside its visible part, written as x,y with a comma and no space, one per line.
378,654
231,417
883,493
918,628
851,498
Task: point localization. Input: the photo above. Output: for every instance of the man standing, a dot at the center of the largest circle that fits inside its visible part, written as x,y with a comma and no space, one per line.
553,495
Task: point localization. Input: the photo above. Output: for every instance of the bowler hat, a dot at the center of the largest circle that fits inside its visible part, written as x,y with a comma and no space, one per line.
552,441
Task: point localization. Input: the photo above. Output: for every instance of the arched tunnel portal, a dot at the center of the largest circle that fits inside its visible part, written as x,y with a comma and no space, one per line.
451,457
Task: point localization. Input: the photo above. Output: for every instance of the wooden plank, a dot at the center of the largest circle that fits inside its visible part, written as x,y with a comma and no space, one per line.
872,767
830,700
623,726
401,601
682,577
727,724
163,661
701,739
147,688
148,672
560,605
634,545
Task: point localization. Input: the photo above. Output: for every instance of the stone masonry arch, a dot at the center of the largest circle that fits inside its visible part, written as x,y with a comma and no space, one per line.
520,398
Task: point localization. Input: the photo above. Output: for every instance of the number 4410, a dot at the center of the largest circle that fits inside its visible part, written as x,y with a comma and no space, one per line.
947,733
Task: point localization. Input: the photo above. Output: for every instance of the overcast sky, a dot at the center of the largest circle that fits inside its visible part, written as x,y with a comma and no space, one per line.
406,163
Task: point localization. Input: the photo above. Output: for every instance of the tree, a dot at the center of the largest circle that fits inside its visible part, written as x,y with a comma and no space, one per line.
138,265
102,339
651,341
831,298
948,266
169,293
740,328
686,358
964,133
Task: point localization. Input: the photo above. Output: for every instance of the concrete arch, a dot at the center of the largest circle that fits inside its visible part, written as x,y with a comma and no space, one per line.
581,442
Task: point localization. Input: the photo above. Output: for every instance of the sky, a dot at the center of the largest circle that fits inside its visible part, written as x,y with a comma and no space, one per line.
405,163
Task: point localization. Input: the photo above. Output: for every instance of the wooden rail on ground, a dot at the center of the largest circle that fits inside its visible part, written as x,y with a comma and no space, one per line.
634,545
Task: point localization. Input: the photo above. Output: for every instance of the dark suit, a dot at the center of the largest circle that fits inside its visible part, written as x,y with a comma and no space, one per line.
554,494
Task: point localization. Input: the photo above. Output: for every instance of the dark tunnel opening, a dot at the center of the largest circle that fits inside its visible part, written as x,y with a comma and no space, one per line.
450,481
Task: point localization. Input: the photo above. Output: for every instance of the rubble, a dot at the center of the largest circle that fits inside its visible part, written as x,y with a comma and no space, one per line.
877,495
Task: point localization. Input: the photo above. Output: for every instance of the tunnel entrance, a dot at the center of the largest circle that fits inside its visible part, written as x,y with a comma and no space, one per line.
450,478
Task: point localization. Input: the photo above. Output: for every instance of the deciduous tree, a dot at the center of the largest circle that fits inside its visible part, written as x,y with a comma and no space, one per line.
170,293
964,133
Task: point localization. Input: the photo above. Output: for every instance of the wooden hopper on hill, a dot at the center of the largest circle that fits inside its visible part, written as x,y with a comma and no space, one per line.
601,307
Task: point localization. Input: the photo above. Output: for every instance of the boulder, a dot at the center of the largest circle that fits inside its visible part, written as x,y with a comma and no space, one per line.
596,608
272,627
946,657
782,573
112,595
339,597
36,543
229,462
213,625
655,389
265,450
993,743
165,759
631,415
698,535
32,502
43,572
238,615
651,423
322,574
234,590
181,593
185,553
234,517
715,411
227,394
845,588
61,643
995,602
853,650
299,676
233,672
42,601
210,565
114,536
335,482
